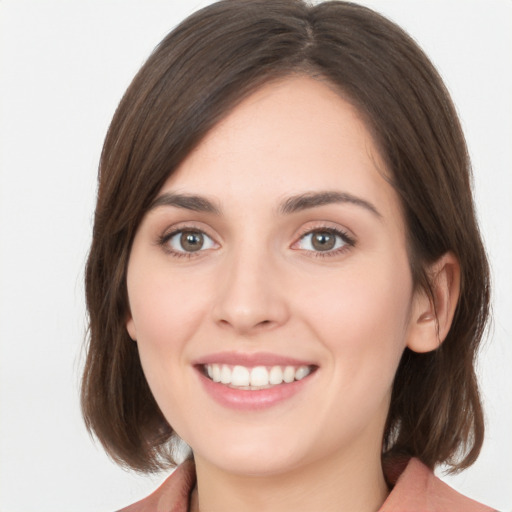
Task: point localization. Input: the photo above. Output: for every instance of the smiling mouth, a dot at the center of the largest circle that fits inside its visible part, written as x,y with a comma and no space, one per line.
256,377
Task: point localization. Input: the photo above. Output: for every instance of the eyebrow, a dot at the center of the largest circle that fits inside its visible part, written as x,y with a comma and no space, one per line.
314,199
185,201
292,204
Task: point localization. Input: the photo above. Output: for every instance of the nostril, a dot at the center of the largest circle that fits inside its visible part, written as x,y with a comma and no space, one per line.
264,323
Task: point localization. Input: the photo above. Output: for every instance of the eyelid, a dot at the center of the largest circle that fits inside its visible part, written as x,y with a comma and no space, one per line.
349,240
171,231
182,231
187,226
325,225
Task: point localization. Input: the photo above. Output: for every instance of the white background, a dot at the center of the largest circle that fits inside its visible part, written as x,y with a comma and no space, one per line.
64,66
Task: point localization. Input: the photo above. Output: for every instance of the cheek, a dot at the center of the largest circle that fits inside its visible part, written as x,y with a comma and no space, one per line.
165,308
362,319
166,311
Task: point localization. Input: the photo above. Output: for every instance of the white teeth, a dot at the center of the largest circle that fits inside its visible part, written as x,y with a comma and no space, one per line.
240,376
302,372
216,372
225,374
276,375
257,377
289,374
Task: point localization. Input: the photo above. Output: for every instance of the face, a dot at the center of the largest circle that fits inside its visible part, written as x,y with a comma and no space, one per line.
269,286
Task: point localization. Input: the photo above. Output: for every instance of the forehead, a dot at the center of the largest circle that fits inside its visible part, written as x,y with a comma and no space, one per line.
291,136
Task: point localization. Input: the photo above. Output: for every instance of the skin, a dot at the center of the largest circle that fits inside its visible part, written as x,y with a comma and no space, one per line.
260,286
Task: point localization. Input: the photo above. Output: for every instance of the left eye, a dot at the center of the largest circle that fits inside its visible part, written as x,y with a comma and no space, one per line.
190,241
322,240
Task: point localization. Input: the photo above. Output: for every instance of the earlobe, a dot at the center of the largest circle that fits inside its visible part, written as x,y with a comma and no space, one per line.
130,327
432,316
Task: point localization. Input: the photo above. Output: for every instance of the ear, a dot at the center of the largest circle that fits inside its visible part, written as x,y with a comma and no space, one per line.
130,327
431,321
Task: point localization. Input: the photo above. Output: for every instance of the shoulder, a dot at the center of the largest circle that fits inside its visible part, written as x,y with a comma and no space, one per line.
172,496
416,489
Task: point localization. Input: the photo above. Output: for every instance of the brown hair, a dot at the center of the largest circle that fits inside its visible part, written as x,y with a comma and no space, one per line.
194,77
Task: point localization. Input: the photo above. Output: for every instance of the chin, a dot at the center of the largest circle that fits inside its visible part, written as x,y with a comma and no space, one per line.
258,456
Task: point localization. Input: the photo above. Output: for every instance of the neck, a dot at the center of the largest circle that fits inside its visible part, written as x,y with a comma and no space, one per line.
330,484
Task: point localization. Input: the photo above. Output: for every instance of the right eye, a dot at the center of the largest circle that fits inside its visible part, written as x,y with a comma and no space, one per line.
189,241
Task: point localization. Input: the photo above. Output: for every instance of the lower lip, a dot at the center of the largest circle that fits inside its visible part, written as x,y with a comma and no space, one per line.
243,399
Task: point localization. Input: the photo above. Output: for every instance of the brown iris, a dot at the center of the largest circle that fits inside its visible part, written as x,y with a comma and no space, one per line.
323,240
191,241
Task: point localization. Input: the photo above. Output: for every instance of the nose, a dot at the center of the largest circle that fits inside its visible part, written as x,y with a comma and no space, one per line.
251,295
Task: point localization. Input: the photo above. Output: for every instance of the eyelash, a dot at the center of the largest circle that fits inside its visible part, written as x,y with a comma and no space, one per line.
348,241
164,239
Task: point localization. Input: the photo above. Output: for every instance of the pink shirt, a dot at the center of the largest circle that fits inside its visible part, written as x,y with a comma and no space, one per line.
416,489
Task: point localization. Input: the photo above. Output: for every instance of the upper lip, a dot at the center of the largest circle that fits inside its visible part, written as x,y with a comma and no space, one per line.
250,360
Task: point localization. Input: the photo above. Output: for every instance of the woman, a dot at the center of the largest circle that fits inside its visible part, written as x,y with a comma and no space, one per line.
286,270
